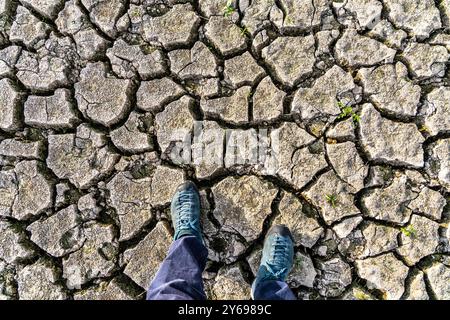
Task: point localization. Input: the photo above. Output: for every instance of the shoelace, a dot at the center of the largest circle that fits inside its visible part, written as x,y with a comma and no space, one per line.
185,221
279,256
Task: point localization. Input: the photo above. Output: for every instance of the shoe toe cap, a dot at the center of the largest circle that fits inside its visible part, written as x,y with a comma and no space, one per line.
187,185
280,229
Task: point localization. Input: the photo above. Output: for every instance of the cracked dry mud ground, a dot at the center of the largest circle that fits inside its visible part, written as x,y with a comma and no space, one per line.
357,91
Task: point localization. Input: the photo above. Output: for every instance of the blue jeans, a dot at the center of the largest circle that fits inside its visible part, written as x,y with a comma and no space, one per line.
180,276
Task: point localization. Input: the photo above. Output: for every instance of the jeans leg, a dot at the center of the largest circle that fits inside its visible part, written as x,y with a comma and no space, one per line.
180,275
272,290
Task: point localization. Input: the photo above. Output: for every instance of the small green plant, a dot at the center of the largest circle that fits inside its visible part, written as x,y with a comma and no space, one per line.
229,9
424,129
360,295
244,31
331,199
347,111
408,231
356,118
341,105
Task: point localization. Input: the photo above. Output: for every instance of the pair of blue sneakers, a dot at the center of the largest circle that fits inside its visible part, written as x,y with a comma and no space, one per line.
278,250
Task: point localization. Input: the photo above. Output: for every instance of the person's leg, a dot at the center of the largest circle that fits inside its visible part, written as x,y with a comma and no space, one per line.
276,262
180,275
273,290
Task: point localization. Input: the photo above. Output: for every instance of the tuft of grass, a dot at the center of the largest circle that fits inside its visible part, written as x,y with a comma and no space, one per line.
424,128
229,9
345,112
244,31
408,231
360,295
348,111
356,118
331,199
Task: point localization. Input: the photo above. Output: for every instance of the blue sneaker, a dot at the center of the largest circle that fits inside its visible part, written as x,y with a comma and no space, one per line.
185,211
277,257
